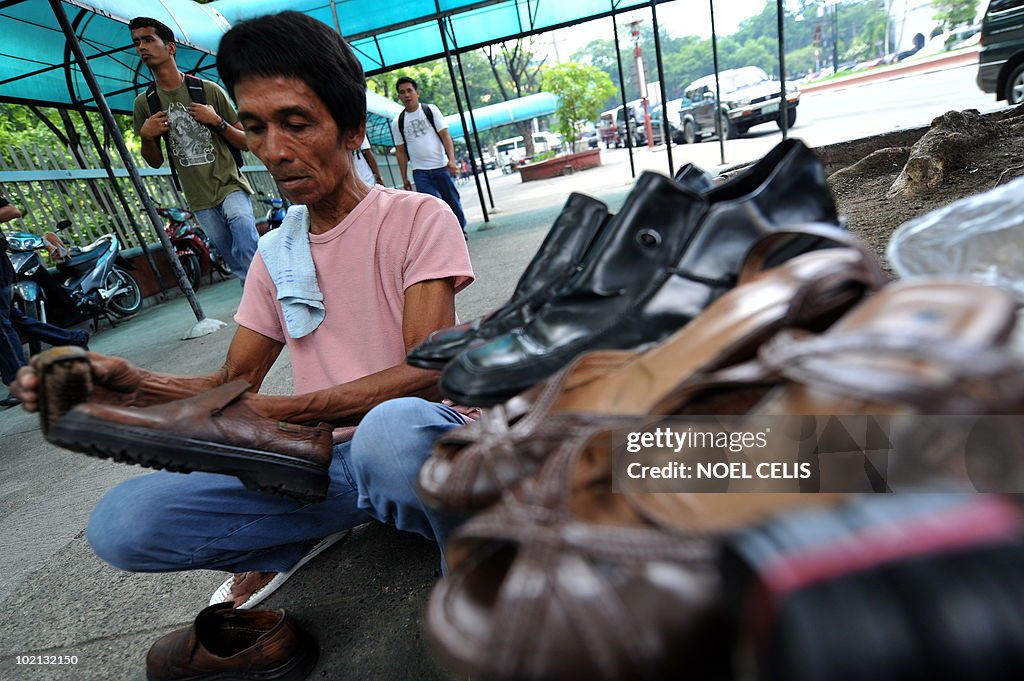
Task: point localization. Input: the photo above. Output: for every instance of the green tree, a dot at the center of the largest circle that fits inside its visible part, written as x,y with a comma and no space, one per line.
582,90
953,13
517,73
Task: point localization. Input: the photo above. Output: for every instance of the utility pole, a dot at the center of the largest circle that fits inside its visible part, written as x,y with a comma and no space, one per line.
835,36
641,81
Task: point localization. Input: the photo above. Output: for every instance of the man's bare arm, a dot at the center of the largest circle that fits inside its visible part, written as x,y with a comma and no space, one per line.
403,162
118,381
429,306
449,149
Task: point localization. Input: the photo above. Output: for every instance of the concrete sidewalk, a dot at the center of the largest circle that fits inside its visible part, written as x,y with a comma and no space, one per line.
363,598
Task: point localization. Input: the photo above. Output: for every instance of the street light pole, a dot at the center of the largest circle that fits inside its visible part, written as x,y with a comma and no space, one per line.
835,37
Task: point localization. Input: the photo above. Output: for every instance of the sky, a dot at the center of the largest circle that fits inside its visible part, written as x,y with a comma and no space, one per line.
677,18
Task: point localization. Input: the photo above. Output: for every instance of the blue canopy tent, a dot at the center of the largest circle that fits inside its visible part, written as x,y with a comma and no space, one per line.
36,64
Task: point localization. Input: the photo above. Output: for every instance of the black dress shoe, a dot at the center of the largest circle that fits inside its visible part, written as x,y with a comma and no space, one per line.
10,401
664,258
562,254
557,260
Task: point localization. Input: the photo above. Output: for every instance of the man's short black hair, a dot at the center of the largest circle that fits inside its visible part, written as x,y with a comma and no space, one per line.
407,79
162,30
294,45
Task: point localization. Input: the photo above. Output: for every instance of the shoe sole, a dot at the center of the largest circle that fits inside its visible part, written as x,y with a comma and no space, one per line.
258,470
65,379
428,362
223,592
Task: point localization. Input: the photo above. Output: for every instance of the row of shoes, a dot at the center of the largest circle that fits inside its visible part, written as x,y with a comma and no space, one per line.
714,300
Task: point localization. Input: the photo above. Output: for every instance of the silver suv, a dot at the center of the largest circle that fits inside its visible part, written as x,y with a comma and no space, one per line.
749,97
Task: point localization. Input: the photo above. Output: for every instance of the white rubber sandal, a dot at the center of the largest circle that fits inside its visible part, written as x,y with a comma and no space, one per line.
223,592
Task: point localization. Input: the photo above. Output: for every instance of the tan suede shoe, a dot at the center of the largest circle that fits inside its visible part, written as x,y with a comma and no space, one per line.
213,433
226,643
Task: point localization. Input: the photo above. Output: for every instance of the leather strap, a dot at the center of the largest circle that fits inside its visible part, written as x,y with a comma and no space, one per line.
758,253
957,378
220,397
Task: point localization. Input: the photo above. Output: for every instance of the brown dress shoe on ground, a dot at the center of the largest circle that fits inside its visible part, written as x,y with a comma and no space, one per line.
224,643
213,432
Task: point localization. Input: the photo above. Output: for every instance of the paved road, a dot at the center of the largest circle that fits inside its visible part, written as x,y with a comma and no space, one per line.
824,117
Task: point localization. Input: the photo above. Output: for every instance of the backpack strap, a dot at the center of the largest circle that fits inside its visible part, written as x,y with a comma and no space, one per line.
401,131
153,100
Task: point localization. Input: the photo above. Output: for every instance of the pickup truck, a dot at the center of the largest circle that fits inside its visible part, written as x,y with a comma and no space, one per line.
749,97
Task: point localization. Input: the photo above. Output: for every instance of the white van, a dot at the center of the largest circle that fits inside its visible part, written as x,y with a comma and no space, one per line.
511,151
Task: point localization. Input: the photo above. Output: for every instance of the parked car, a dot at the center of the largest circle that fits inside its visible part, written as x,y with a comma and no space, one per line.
489,162
749,97
1001,59
590,136
657,130
511,152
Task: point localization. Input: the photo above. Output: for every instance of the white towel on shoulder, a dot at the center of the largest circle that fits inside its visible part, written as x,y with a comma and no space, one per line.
285,252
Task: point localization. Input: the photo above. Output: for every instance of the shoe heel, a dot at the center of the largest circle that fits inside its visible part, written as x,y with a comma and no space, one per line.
65,379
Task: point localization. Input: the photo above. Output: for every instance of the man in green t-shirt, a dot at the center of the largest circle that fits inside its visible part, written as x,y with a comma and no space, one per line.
199,136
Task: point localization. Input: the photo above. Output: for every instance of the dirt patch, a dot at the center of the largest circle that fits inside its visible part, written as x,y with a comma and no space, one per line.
861,188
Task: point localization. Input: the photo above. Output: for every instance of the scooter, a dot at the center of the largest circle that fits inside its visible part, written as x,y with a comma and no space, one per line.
196,252
92,281
275,214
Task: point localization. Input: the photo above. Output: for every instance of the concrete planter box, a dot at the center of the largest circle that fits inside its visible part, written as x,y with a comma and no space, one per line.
561,165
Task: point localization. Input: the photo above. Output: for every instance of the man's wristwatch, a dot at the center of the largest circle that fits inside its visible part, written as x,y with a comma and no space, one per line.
222,126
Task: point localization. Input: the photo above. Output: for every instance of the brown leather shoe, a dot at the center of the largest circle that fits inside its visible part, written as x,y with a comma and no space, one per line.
224,643
213,432
65,379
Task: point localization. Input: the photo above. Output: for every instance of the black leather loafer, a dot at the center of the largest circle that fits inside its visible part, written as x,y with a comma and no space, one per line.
664,258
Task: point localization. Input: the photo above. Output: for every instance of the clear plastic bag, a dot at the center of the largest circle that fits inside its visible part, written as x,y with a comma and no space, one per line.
980,237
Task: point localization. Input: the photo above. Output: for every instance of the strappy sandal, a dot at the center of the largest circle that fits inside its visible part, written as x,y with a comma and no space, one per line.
563,579
935,347
551,585
65,379
473,464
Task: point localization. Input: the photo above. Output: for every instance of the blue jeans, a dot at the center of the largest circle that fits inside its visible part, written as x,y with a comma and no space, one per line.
164,522
12,357
14,324
232,228
439,183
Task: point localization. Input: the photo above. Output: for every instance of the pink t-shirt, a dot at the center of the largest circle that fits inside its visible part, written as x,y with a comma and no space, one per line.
390,241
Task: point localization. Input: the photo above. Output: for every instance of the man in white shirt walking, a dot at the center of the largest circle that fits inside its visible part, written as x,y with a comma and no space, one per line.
422,142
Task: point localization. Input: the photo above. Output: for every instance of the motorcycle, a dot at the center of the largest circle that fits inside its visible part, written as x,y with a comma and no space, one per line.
91,281
195,250
275,214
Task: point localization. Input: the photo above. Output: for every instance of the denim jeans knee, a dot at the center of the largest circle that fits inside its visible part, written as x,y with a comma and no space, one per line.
388,450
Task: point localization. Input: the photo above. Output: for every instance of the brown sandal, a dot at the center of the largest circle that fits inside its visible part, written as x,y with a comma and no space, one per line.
563,579
65,379
552,585
931,347
473,464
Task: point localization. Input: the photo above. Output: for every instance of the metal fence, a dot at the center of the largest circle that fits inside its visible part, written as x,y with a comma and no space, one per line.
48,186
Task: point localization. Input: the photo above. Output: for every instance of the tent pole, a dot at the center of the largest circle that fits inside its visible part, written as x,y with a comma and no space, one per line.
622,91
783,104
334,15
462,113
105,160
667,134
718,87
472,121
122,150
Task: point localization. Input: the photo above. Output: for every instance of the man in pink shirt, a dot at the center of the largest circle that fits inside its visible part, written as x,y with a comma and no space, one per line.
387,263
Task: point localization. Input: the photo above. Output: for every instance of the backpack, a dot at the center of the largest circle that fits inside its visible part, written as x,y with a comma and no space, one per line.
401,126
198,95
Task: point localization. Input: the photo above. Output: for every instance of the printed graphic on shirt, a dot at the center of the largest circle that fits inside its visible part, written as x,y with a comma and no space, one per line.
417,128
191,141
